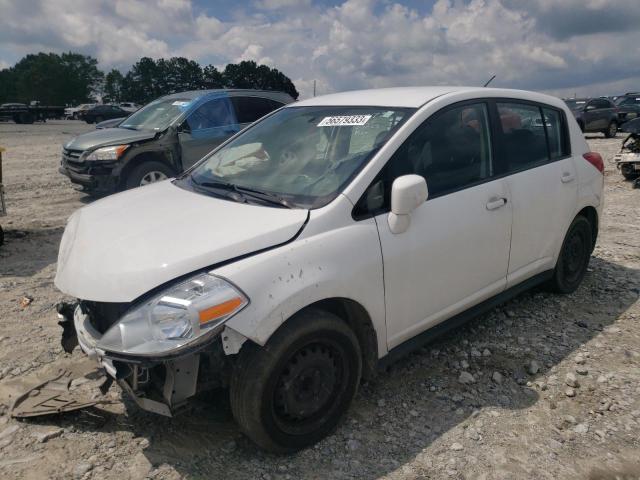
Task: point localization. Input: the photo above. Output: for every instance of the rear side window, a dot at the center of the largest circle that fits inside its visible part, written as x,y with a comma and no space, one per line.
556,133
250,109
523,135
451,150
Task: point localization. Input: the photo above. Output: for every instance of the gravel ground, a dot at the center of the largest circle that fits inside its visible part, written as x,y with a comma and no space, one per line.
543,387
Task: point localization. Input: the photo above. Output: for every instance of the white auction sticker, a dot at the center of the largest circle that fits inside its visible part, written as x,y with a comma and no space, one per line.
344,121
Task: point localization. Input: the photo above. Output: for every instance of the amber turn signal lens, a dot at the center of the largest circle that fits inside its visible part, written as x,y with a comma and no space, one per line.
220,310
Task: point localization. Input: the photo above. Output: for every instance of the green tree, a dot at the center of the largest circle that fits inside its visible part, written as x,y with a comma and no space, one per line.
180,74
212,78
50,78
141,84
113,82
248,74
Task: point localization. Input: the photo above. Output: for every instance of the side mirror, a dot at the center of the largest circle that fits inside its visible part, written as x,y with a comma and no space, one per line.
184,128
407,193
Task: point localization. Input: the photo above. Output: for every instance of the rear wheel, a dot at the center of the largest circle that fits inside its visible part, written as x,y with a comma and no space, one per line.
574,257
612,130
294,391
99,119
146,173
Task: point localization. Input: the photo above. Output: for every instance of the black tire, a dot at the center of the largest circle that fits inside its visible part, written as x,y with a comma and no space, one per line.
574,257
135,177
26,118
612,130
1,236
628,172
88,120
296,389
98,119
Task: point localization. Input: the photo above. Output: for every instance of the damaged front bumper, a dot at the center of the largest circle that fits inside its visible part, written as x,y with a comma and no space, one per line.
157,385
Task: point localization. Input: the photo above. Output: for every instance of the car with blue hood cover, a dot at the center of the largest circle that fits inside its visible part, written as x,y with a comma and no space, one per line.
163,138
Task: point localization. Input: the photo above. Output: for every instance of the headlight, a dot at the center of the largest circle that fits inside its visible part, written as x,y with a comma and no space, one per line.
185,314
106,153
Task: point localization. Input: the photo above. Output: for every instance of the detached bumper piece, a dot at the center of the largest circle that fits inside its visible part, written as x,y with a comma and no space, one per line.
65,391
156,385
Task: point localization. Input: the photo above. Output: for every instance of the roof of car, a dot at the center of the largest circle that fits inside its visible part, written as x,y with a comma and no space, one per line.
411,97
192,94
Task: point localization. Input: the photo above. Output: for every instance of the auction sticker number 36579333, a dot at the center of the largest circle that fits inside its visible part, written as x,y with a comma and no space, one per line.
344,121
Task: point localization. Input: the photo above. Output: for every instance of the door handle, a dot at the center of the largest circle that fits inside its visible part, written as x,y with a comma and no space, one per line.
495,203
567,177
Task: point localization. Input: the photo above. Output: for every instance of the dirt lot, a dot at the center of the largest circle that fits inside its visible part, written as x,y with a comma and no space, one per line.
519,419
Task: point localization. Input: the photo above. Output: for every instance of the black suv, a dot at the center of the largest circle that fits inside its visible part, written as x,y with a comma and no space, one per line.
102,112
595,115
628,106
163,138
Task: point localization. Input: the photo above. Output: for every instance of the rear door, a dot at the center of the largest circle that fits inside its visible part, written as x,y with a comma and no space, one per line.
455,253
541,179
210,124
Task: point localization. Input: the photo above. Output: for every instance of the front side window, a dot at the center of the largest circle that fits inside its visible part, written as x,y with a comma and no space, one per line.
523,135
211,114
451,150
306,155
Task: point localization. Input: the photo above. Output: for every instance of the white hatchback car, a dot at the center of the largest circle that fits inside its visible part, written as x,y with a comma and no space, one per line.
330,236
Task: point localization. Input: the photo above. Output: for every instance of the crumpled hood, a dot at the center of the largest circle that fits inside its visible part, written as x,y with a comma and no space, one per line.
123,246
107,136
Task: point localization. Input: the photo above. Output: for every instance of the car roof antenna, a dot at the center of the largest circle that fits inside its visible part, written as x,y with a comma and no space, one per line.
489,81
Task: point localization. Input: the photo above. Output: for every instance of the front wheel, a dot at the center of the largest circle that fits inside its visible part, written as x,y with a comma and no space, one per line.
574,257
612,130
146,173
295,390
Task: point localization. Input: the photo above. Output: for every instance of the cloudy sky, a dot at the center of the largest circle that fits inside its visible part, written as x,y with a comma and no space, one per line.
557,46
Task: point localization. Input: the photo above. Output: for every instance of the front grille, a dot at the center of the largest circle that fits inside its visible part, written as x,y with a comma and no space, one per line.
72,156
103,314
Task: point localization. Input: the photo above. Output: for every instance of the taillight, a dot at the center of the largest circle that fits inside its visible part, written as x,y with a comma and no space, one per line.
594,159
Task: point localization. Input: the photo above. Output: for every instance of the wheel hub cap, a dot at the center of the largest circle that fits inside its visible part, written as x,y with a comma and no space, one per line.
307,384
152,177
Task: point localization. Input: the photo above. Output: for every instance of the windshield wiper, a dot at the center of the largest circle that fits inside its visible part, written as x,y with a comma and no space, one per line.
128,127
266,196
246,192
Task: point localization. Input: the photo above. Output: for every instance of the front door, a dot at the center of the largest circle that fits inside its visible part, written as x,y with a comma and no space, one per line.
205,128
456,251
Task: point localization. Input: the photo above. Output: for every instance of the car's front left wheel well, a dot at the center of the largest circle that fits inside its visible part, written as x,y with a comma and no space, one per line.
139,159
358,319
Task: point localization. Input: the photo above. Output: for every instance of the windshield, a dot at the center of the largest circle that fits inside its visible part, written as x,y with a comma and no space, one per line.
304,155
156,115
576,104
627,100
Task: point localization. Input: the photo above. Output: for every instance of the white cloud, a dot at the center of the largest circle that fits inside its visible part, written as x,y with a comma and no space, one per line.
539,44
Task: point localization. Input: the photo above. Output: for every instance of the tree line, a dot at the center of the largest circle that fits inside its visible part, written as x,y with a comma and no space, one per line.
72,78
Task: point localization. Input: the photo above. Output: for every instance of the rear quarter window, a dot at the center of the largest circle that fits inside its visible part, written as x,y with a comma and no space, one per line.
557,133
